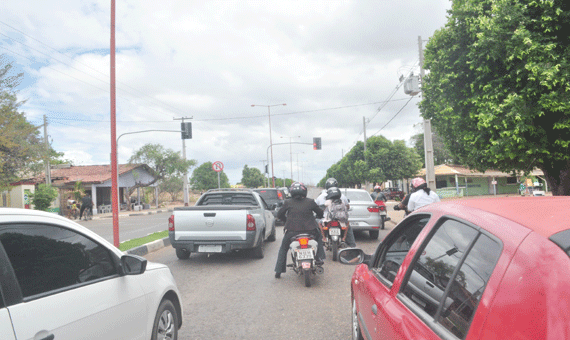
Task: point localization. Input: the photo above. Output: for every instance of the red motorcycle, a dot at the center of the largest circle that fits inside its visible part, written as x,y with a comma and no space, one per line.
382,210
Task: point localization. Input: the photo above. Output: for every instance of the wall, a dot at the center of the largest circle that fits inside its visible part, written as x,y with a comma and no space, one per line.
17,196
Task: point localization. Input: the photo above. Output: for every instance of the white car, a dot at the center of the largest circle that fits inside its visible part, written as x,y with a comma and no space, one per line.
60,280
364,214
537,191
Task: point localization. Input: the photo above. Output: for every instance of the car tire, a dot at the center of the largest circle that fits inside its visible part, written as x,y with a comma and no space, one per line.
356,333
374,234
271,237
165,322
182,254
257,252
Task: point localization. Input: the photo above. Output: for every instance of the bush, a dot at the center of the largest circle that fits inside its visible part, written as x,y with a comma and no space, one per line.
43,197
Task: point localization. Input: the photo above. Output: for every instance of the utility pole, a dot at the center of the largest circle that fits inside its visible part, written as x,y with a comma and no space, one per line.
46,162
365,160
428,143
184,157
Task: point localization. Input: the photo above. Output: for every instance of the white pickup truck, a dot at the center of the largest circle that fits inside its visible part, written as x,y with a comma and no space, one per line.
221,221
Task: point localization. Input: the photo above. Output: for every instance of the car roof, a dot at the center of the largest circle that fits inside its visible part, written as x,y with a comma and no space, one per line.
546,215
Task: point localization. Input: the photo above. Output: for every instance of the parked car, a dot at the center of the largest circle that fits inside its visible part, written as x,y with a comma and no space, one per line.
538,191
274,197
393,193
62,281
364,213
502,266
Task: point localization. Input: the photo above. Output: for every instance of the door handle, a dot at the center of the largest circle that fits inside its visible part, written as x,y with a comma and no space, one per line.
375,309
430,284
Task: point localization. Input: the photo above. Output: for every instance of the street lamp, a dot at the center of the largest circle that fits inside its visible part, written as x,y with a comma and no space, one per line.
270,139
291,153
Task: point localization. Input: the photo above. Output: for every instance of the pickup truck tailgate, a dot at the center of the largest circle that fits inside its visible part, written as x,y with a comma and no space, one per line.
211,223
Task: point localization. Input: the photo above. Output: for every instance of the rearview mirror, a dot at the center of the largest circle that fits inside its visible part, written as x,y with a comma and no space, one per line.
133,264
351,256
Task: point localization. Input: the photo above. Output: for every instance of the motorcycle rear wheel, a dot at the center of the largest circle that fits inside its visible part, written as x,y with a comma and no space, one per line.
334,250
307,275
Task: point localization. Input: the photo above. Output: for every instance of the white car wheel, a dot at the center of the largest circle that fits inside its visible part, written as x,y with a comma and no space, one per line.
165,322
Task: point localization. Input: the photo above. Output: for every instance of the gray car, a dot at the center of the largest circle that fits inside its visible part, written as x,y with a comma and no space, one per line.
364,214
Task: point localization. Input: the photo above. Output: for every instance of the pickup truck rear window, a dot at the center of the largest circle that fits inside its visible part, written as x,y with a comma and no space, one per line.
228,199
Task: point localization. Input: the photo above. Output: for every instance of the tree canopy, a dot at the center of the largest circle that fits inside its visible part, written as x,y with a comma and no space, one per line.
20,145
497,90
385,160
205,178
252,177
162,163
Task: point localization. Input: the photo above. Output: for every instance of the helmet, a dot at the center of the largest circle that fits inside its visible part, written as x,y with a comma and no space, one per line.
298,189
416,182
333,193
331,182
377,188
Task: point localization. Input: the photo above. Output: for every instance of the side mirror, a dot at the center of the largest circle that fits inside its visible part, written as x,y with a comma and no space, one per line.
352,256
133,264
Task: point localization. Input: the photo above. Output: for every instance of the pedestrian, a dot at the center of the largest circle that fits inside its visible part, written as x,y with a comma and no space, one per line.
422,195
86,203
297,212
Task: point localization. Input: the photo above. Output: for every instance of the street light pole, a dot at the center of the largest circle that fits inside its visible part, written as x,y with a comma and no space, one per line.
270,138
291,153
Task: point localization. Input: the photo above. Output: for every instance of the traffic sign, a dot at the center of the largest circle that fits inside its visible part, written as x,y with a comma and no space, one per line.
218,166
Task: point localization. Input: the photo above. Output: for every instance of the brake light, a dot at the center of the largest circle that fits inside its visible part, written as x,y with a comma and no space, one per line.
279,195
250,223
171,223
374,209
382,207
334,224
304,242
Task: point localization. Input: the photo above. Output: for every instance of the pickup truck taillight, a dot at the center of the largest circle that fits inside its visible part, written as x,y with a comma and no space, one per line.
171,223
250,223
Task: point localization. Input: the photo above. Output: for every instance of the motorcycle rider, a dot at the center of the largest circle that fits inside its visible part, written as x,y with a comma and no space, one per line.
297,212
378,195
422,195
334,203
330,183
86,203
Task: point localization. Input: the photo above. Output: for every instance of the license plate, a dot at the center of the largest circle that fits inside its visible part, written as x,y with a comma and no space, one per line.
305,254
210,249
355,224
334,231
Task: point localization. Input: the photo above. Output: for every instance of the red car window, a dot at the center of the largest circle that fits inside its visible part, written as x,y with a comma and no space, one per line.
453,294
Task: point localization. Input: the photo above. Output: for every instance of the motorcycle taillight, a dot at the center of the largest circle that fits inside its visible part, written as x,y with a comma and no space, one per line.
334,224
304,242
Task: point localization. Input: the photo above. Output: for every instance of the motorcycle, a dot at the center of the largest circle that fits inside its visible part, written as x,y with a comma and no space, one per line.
382,211
334,235
303,253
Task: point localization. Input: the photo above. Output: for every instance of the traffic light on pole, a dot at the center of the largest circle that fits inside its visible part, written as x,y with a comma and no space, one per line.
186,130
316,143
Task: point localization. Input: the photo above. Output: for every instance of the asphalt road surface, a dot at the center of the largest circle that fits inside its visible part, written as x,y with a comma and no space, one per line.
232,296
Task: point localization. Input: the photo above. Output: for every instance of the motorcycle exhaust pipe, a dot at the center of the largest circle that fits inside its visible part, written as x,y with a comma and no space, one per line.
320,270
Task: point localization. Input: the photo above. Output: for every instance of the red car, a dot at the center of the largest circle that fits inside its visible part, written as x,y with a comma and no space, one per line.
493,268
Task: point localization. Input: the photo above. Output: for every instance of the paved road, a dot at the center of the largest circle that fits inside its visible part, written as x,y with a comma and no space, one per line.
231,296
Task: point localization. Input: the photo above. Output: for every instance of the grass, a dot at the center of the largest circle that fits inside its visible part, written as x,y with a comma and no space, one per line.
123,246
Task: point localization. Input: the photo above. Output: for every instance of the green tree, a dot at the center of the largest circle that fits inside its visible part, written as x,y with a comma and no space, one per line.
497,88
20,146
441,154
252,177
43,197
173,185
205,178
161,163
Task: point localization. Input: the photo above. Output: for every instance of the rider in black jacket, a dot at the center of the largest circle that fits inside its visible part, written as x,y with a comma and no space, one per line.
297,212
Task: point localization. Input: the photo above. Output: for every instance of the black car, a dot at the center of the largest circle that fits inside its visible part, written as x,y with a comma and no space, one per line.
274,197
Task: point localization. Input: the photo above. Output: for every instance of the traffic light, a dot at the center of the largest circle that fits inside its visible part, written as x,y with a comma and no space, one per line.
186,130
316,143
266,170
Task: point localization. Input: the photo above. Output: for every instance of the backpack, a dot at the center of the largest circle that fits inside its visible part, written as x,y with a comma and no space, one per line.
338,211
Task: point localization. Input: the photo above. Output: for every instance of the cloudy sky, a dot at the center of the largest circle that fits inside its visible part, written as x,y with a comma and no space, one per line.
333,63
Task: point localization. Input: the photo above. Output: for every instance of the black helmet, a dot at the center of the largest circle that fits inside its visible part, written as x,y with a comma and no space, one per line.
333,193
331,182
298,189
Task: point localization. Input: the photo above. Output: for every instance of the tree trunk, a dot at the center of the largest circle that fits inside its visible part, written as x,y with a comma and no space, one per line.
557,176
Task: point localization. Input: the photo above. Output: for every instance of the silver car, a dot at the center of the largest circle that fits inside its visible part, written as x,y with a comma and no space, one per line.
364,214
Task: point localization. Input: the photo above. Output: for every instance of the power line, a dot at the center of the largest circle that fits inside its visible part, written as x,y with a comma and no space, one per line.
393,117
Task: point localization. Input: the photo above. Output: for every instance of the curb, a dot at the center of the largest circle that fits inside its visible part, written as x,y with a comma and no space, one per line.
149,247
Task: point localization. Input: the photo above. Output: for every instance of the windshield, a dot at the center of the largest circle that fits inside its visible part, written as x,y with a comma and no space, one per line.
358,196
268,195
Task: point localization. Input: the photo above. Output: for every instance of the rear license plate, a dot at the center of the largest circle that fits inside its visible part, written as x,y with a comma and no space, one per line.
334,231
210,249
304,254
355,224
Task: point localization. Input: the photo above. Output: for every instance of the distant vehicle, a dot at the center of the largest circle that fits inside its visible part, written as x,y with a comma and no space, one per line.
467,269
286,192
538,190
274,197
392,193
364,213
222,221
60,280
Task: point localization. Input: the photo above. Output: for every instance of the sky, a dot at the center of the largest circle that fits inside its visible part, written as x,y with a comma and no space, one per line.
335,64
